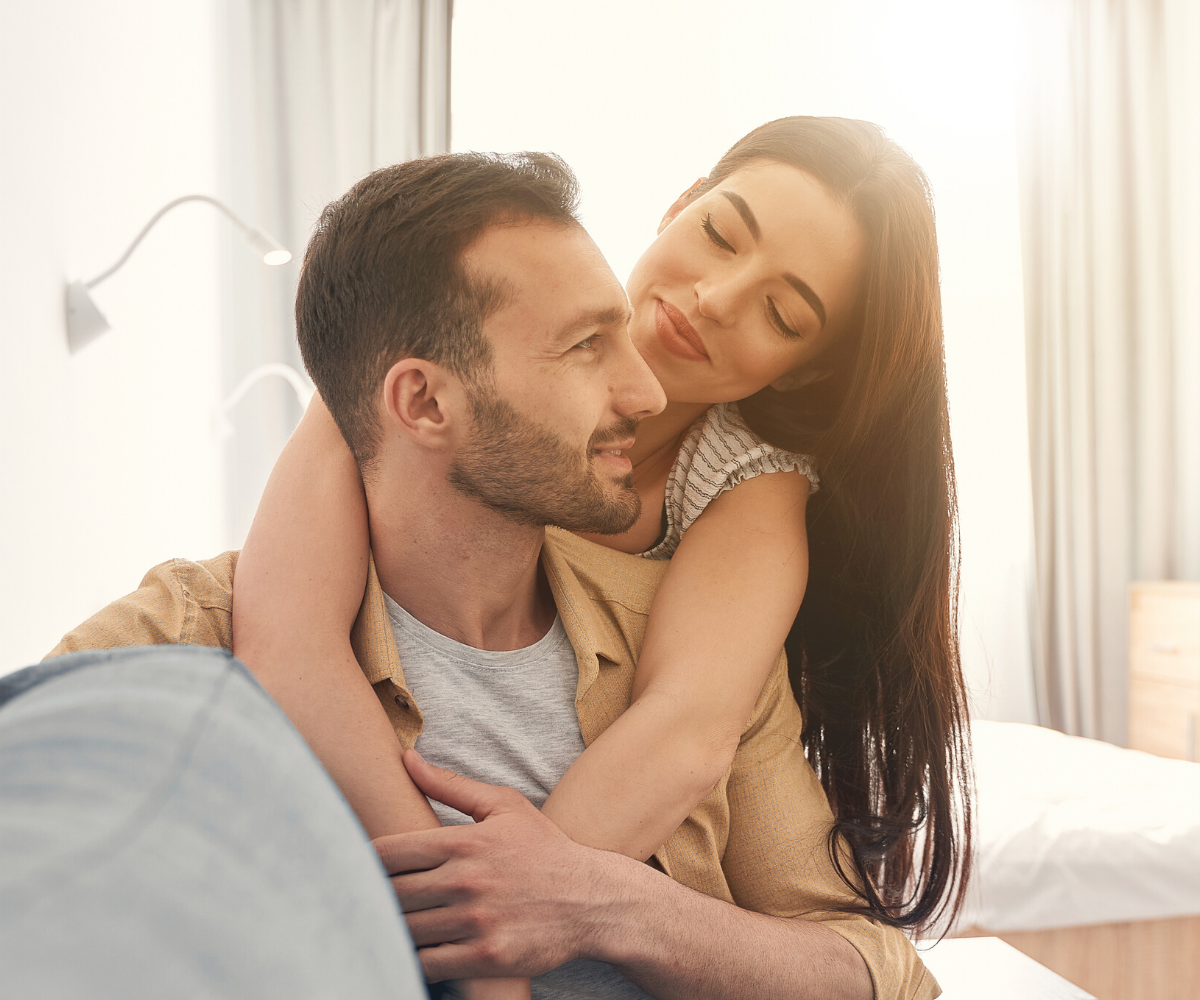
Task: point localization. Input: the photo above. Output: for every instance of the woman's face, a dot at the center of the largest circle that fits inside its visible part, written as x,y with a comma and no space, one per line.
745,285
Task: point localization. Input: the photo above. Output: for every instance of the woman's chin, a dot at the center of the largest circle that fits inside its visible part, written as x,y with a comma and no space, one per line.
678,378
685,392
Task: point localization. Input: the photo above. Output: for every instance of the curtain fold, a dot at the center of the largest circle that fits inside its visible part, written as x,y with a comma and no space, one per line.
1102,149
318,94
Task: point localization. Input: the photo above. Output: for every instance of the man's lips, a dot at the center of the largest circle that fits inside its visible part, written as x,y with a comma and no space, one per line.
623,445
614,454
677,334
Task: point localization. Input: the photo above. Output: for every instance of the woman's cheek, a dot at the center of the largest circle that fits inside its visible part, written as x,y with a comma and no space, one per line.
739,383
755,369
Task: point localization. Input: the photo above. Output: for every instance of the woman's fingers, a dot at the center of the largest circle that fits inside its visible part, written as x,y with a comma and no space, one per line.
452,961
419,851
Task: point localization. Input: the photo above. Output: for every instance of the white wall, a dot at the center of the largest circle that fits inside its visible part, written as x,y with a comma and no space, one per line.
107,111
642,98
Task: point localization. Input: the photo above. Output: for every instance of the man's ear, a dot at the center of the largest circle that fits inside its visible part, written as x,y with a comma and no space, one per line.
680,203
421,401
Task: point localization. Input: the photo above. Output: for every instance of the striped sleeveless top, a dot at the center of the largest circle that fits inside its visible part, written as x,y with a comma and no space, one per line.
719,452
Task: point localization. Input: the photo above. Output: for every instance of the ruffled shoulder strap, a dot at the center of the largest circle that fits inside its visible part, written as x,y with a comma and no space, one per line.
719,452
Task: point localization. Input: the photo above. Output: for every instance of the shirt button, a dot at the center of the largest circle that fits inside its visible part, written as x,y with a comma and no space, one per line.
402,701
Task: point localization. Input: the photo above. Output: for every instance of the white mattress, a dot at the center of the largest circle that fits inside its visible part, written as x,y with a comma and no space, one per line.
1074,831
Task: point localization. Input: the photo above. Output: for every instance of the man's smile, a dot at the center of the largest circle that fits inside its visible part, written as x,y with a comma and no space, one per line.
613,456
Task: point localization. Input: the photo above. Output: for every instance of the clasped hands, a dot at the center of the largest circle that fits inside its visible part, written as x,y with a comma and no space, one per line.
511,895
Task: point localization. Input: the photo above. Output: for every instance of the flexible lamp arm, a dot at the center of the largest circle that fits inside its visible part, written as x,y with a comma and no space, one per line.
85,322
300,386
264,242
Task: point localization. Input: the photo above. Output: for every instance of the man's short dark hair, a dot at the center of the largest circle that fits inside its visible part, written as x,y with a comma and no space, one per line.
383,279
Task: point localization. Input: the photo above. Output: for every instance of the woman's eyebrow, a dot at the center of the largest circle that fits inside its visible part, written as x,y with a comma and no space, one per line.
811,297
738,202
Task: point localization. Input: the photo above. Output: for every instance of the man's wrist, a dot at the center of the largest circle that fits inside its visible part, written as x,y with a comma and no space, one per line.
621,892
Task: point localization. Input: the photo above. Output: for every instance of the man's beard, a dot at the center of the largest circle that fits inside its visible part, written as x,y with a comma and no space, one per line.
534,477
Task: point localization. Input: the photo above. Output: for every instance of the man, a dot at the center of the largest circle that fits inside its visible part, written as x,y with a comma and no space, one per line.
469,341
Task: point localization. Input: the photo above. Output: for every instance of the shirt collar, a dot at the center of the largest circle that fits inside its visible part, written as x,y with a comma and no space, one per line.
593,635
372,638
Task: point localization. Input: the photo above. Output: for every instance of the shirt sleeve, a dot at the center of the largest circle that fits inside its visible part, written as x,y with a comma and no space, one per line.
777,857
751,456
178,602
728,453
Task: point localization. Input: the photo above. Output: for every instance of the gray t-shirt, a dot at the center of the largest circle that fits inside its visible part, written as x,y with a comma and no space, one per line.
507,718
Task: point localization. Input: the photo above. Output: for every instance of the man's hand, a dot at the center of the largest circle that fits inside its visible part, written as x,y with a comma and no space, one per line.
513,896
510,896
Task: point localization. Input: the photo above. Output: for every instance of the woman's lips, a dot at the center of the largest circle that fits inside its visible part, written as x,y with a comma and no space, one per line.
677,334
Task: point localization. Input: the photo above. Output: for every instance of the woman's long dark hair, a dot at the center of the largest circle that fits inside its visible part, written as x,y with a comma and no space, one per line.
873,654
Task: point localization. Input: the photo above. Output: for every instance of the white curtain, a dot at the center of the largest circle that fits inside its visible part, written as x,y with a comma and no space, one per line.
318,94
1109,170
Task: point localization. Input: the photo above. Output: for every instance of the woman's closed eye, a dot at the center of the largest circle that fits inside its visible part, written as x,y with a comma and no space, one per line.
716,237
773,313
779,324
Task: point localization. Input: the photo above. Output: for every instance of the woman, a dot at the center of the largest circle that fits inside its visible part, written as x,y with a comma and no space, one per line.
799,280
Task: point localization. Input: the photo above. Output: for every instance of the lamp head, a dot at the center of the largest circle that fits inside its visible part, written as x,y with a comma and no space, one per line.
273,253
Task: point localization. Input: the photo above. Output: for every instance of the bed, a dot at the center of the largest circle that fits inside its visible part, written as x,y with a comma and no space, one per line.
1088,860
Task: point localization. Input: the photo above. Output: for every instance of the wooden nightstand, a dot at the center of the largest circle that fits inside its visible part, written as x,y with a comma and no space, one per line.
1164,669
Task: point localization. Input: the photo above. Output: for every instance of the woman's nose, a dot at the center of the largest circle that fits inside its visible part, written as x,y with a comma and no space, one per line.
717,300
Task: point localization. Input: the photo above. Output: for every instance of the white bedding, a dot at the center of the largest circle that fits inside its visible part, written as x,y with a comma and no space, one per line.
1074,831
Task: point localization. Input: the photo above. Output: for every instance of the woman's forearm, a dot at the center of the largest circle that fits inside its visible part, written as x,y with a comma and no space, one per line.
719,618
630,790
299,583
330,702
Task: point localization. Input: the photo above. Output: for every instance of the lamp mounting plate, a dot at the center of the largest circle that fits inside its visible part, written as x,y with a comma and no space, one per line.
84,321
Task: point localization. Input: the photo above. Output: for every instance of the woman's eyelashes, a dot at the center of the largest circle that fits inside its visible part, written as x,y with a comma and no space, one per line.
716,237
779,324
773,313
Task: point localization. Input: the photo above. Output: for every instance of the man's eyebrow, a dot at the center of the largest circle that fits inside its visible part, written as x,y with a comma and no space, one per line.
610,316
811,297
738,202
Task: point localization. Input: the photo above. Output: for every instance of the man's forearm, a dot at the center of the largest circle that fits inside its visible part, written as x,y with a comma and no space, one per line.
512,895
677,943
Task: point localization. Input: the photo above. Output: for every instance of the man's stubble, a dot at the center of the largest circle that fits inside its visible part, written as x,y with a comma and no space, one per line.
534,477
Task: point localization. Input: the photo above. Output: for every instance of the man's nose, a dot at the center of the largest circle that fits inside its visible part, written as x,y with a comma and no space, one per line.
636,392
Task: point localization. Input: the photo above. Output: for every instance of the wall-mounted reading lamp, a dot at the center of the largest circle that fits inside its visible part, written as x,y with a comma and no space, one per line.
223,426
85,322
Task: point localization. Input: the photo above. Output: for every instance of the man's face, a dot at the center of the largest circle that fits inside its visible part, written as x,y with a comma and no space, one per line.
556,413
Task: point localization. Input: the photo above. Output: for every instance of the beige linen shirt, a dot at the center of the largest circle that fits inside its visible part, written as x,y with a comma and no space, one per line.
759,840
